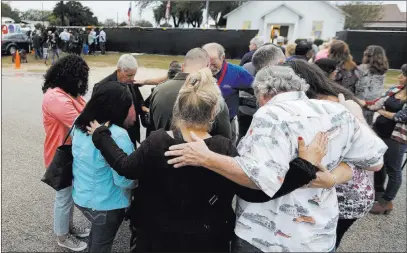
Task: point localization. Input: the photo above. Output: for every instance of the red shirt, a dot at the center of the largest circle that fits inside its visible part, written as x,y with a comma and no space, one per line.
59,110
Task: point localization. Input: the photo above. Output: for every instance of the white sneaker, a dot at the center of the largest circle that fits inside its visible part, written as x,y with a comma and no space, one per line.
72,243
79,231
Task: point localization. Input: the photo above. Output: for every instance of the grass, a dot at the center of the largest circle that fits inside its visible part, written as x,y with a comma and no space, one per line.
148,61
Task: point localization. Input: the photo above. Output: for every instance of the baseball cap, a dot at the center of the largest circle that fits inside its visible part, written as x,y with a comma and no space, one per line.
280,39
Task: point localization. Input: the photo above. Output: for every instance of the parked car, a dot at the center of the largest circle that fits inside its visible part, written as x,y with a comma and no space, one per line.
11,42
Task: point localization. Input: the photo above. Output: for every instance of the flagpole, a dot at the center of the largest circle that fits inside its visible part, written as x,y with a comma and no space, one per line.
207,13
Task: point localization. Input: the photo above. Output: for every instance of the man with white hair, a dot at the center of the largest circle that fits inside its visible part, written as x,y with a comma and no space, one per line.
231,78
125,73
255,43
304,220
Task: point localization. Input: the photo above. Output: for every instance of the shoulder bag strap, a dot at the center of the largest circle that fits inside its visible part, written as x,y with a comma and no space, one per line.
70,131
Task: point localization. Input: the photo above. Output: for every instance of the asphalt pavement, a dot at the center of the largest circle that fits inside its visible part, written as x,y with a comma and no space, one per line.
27,203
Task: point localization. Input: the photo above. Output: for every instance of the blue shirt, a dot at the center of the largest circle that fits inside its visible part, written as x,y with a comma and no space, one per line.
236,78
95,184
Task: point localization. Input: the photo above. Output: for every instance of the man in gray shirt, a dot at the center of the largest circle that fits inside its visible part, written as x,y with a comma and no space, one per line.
164,96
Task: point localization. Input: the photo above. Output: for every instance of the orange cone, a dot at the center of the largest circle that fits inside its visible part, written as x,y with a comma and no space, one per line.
17,60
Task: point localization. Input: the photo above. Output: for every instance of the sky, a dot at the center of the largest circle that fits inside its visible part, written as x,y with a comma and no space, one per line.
113,9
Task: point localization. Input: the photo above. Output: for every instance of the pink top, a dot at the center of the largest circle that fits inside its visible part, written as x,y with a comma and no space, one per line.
59,110
322,54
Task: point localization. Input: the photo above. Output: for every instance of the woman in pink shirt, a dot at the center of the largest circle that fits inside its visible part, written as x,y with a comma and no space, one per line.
65,84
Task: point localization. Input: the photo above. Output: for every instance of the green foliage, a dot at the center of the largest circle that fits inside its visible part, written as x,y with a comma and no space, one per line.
318,42
6,11
123,24
361,12
143,23
76,13
109,23
36,15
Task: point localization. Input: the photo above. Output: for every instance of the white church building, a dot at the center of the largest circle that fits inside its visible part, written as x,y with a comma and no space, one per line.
290,19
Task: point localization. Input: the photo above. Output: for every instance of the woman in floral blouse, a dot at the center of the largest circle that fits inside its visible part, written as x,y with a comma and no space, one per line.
391,127
373,71
347,72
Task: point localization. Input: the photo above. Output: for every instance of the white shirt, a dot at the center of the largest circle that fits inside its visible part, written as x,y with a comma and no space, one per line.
102,36
64,36
304,220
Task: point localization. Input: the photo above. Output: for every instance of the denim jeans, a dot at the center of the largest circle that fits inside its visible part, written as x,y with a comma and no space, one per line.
393,159
63,211
105,225
54,51
38,53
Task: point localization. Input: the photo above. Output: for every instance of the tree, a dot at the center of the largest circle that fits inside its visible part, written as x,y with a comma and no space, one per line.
36,15
77,14
6,11
56,20
123,24
177,12
193,12
361,12
39,27
109,23
224,8
143,23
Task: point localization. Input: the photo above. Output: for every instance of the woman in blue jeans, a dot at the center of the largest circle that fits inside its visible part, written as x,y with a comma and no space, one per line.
391,127
98,191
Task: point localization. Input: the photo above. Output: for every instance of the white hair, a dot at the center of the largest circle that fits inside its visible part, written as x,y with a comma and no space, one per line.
258,41
217,46
266,56
274,79
127,62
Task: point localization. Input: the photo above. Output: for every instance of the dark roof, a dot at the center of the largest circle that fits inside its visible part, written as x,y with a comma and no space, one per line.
392,13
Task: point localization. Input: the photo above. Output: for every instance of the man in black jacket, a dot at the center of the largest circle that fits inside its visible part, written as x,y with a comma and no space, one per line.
126,70
164,96
37,45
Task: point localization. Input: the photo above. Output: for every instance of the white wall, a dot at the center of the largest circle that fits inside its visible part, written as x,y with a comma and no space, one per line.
281,16
311,11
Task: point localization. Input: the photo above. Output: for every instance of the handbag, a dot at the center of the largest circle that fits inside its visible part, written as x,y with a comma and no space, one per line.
59,173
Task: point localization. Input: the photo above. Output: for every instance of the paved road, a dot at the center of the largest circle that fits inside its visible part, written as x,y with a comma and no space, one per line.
27,204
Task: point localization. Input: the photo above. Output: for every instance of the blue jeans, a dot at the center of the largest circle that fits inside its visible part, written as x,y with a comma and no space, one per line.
63,211
393,159
54,51
38,53
105,225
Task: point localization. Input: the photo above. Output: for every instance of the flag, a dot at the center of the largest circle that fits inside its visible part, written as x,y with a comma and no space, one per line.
167,10
129,12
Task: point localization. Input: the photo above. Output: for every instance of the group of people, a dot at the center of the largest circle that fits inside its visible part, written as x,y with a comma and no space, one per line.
285,136
72,41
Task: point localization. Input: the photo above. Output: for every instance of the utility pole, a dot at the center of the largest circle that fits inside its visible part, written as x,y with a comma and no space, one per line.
117,19
207,13
42,13
62,13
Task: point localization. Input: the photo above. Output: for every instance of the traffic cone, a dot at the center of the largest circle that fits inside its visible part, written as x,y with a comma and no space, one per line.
17,60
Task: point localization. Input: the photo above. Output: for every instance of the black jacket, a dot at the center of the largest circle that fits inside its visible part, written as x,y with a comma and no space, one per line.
134,131
37,41
189,202
247,57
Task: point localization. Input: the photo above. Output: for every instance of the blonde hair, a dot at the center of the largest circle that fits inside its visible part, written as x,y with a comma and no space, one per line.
290,49
199,101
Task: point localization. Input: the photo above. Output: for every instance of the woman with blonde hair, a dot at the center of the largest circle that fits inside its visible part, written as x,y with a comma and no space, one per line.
182,209
290,50
347,72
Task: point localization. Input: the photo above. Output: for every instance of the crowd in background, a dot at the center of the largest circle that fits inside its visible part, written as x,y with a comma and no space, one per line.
284,132
77,41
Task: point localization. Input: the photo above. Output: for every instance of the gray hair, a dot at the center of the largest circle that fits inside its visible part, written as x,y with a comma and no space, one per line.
267,55
127,62
196,55
258,41
217,46
198,101
274,79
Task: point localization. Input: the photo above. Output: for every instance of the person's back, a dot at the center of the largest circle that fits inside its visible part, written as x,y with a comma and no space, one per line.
311,222
95,184
370,85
